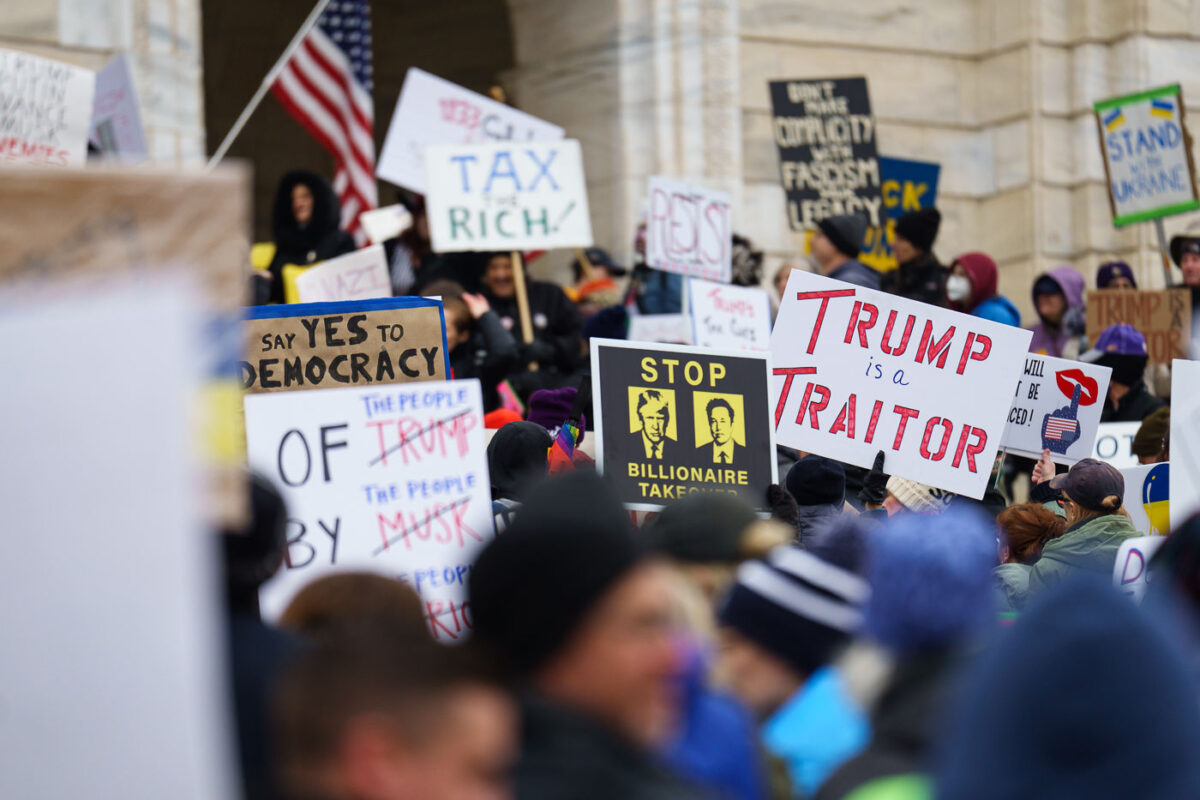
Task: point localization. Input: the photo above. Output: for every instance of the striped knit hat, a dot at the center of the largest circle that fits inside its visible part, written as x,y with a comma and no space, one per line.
796,605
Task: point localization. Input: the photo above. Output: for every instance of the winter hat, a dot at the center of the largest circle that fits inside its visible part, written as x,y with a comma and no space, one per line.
1121,340
1154,428
597,257
796,605
607,323
1080,698
1112,270
1046,285
846,232
702,528
917,496
551,408
815,480
1186,242
518,456
931,579
533,586
920,227
494,420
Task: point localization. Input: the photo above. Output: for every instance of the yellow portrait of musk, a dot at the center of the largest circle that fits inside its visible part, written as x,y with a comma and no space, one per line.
652,419
720,427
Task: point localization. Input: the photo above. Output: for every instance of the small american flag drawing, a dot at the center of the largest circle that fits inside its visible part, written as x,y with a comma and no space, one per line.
1055,428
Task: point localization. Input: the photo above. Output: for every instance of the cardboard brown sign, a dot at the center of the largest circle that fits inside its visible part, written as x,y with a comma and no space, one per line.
1164,317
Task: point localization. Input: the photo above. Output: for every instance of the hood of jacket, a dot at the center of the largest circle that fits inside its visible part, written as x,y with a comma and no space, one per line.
999,309
981,271
1071,283
289,235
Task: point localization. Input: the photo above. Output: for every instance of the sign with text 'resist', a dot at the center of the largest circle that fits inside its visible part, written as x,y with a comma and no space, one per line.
529,196
116,129
669,328
729,317
1148,497
1114,443
689,230
827,157
1146,155
45,110
361,275
856,371
328,345
1056,407
1185,440
676,420
907,186
432,110
1131,574
1163,316
389,479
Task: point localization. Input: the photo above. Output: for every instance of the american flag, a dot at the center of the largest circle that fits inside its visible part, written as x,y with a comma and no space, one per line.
1057,426
326,86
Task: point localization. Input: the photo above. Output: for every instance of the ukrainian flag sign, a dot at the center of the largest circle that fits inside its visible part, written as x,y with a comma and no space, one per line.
1147,498
1146,157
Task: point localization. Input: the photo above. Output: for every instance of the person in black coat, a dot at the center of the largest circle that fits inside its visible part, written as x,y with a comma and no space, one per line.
480,346
918,275
1122,348
305,224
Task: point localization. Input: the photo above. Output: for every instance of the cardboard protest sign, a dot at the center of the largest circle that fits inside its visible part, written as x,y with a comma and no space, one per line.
529,196
729,317
1148,497
327,345
1163,316
1056,407
385,223
674,420
929,387
1147,155
1130,571
361,275
689,230
46,110
827,158
389,479
907,186
1114,443
116,129
432,110
669,328
1185,440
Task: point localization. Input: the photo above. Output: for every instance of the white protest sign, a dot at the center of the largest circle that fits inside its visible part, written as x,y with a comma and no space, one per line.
116,128
529,196
1147,498
1056,407
668,328
432,110
361,275
729,317
1185,439
391,479
689,230
1130,570
929,387
1114,443
47,110
385,223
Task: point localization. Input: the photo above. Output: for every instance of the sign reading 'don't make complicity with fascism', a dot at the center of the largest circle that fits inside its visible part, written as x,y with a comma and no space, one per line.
856,371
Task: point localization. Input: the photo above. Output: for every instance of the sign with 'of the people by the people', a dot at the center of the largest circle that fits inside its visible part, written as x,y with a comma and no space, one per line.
359,343
827,158
507,196
676,420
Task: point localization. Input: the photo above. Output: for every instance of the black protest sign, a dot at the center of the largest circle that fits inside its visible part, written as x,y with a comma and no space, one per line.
673,421
827,157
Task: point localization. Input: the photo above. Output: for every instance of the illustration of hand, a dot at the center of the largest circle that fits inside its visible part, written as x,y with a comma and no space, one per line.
1060,428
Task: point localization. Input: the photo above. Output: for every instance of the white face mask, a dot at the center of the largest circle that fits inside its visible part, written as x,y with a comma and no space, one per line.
958,288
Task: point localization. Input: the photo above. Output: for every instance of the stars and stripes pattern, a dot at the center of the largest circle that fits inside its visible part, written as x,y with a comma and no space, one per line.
1056,427
326,86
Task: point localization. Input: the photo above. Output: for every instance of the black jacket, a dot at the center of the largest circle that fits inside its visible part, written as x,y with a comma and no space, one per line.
489,355
1135,406
921,278
556,325
320,239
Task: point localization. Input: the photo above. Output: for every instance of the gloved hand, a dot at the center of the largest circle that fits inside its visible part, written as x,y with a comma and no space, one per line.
783,506
537,350
874,490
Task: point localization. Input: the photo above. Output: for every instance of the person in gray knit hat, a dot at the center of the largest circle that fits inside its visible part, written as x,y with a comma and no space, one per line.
836,245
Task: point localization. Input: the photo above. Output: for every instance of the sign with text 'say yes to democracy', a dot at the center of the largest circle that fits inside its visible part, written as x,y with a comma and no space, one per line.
1146,155
689,230
676,420
855,371
388,479
526,196
1056,407
733,317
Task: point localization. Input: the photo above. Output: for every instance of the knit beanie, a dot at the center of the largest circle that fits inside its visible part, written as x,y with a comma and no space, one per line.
533,586
1154,428
920,227
551,408
702,528
917,496
846,232
1112,270
815,480
518,457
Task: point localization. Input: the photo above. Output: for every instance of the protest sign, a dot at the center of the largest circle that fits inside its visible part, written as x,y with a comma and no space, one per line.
47,110
1130,571
361,275
1185,440
674,420
1147,155
689,230
1163,316
729,317
1056,407
432,110
326,345
929,387
669,328
827,157
385,223
1114,443
116,129
389,479
1147,497
907,186
506,197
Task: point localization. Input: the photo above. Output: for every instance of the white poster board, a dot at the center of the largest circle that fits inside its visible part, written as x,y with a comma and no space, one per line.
729,317
856,371
1056,407
385,223
1147,497
432,110
529,196
1130,570
1114,443
1185,439
391,479
45,110
669,328
361,275
689,230
116,129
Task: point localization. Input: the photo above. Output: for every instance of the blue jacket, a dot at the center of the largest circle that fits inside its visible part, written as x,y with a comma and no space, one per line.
998,309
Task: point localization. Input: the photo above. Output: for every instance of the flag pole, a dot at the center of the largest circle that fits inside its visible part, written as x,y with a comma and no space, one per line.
244,117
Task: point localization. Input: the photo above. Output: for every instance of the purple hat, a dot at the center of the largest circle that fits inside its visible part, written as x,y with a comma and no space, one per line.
1118,340
550,408
1112,270
1089,482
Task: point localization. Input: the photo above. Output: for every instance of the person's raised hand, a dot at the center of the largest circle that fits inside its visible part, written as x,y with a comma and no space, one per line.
477,304
874,488
1043,470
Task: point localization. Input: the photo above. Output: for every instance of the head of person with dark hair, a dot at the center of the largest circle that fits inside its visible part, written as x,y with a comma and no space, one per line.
1115,275
915,234
371,712
344,597
518,458
1122,348
1026,528
1152,443
1091,488
306,210
255,552
498,275
747,262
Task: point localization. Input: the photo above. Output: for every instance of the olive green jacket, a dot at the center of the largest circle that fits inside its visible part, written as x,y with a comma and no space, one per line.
1087,546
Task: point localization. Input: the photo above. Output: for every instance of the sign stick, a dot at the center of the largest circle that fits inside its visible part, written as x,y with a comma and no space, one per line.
523,302
1163,252
586,265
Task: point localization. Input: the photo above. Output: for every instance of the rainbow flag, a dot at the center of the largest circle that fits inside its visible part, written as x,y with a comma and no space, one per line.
1162,108
1114,120
562,452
